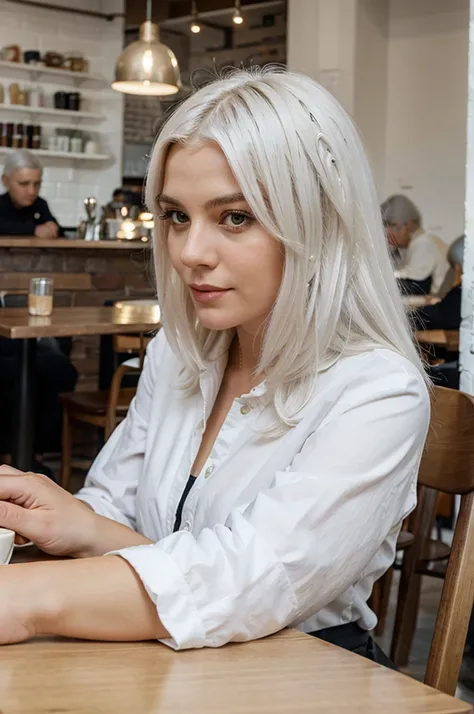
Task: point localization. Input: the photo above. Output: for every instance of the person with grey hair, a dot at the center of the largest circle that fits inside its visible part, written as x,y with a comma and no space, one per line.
22,211
446,314
424,263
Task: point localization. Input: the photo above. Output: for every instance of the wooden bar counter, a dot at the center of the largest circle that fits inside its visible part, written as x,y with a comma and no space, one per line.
85,274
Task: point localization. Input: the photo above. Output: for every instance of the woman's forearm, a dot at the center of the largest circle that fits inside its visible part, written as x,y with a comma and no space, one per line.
93,599
107,535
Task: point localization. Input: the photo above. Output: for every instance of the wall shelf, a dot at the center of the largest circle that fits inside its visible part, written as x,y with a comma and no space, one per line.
50,112
49,73
60,154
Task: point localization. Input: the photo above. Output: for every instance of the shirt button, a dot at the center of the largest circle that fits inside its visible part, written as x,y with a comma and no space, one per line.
209,471
245,409
187,526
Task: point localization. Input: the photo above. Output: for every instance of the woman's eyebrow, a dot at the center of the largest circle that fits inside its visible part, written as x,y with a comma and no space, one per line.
167,199
213,203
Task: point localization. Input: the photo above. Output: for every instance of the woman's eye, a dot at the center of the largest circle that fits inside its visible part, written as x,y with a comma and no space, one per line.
178,218
237,219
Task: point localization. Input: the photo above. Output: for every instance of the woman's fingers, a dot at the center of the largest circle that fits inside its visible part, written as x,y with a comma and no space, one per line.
7,470
23,489
21,520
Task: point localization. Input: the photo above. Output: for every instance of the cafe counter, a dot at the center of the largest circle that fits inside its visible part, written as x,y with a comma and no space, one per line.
85,273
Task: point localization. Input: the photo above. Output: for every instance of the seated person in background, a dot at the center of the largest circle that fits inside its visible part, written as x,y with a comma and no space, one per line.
424,264
22,211
121,198
54,374
446,315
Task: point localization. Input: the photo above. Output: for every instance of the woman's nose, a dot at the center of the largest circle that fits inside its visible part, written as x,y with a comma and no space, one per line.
199,248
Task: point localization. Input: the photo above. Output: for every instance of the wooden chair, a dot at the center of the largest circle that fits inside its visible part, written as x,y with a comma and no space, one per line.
447,467
102,408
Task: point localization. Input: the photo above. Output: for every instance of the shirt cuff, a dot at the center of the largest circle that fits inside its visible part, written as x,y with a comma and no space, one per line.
169,591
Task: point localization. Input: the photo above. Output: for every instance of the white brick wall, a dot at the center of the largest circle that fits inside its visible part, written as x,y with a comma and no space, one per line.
66,182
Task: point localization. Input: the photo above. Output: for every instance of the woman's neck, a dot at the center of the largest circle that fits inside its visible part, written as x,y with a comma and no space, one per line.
245,355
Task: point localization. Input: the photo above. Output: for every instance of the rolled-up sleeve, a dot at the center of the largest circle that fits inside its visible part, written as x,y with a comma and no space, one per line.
302,543
111,484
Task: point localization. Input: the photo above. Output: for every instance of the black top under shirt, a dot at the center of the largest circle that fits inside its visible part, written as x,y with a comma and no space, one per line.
182,501
445,315
23,221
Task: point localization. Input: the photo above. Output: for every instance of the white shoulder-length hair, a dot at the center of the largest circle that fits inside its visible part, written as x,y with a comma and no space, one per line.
299,162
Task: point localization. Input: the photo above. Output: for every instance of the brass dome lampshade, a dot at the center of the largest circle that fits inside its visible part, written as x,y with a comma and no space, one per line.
147,66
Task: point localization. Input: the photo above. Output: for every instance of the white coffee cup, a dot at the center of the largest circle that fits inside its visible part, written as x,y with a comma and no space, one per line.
7,539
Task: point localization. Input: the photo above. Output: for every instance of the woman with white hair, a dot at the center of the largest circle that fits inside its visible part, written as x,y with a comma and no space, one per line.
262,474
424,264
22,211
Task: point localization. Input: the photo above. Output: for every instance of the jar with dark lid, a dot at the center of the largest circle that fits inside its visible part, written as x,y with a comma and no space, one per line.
17,140
74,101
31,56
29,135
36,144
10,128
61,100
4,135
53,59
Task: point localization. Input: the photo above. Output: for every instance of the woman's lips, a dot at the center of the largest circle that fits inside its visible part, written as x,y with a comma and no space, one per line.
207,295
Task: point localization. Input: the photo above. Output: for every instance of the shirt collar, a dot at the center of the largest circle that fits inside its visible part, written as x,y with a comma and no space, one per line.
419,232
211,376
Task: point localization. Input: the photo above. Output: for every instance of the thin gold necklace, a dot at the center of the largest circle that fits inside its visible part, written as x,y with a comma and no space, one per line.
241,359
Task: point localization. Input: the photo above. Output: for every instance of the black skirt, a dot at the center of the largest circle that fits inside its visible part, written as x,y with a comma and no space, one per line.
353,638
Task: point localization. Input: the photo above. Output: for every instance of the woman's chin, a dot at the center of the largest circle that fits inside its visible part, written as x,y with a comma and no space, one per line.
215,321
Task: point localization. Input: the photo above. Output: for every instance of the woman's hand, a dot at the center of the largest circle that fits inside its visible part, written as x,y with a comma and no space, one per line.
39,510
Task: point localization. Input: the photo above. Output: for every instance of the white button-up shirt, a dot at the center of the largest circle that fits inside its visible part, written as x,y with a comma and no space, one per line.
425,257
276,532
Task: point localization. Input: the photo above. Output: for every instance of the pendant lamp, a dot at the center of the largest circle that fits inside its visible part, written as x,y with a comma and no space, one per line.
147,66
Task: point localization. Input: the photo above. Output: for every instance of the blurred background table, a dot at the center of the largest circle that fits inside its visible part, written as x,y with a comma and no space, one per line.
17,324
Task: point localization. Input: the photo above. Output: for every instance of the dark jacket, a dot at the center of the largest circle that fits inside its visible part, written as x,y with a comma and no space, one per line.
23,221
446,315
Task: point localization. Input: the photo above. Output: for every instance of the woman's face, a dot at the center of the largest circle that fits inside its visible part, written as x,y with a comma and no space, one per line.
232,266
23,185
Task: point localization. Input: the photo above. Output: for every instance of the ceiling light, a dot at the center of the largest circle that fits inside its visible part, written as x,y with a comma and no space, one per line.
195,26
237,15
147,66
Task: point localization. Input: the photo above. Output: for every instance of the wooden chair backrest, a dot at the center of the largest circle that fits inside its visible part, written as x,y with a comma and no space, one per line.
448,461
129,344
448,466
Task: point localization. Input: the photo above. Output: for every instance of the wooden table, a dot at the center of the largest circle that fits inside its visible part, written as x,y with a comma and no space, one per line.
55,243
440,338
289,673
412,302
17,324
